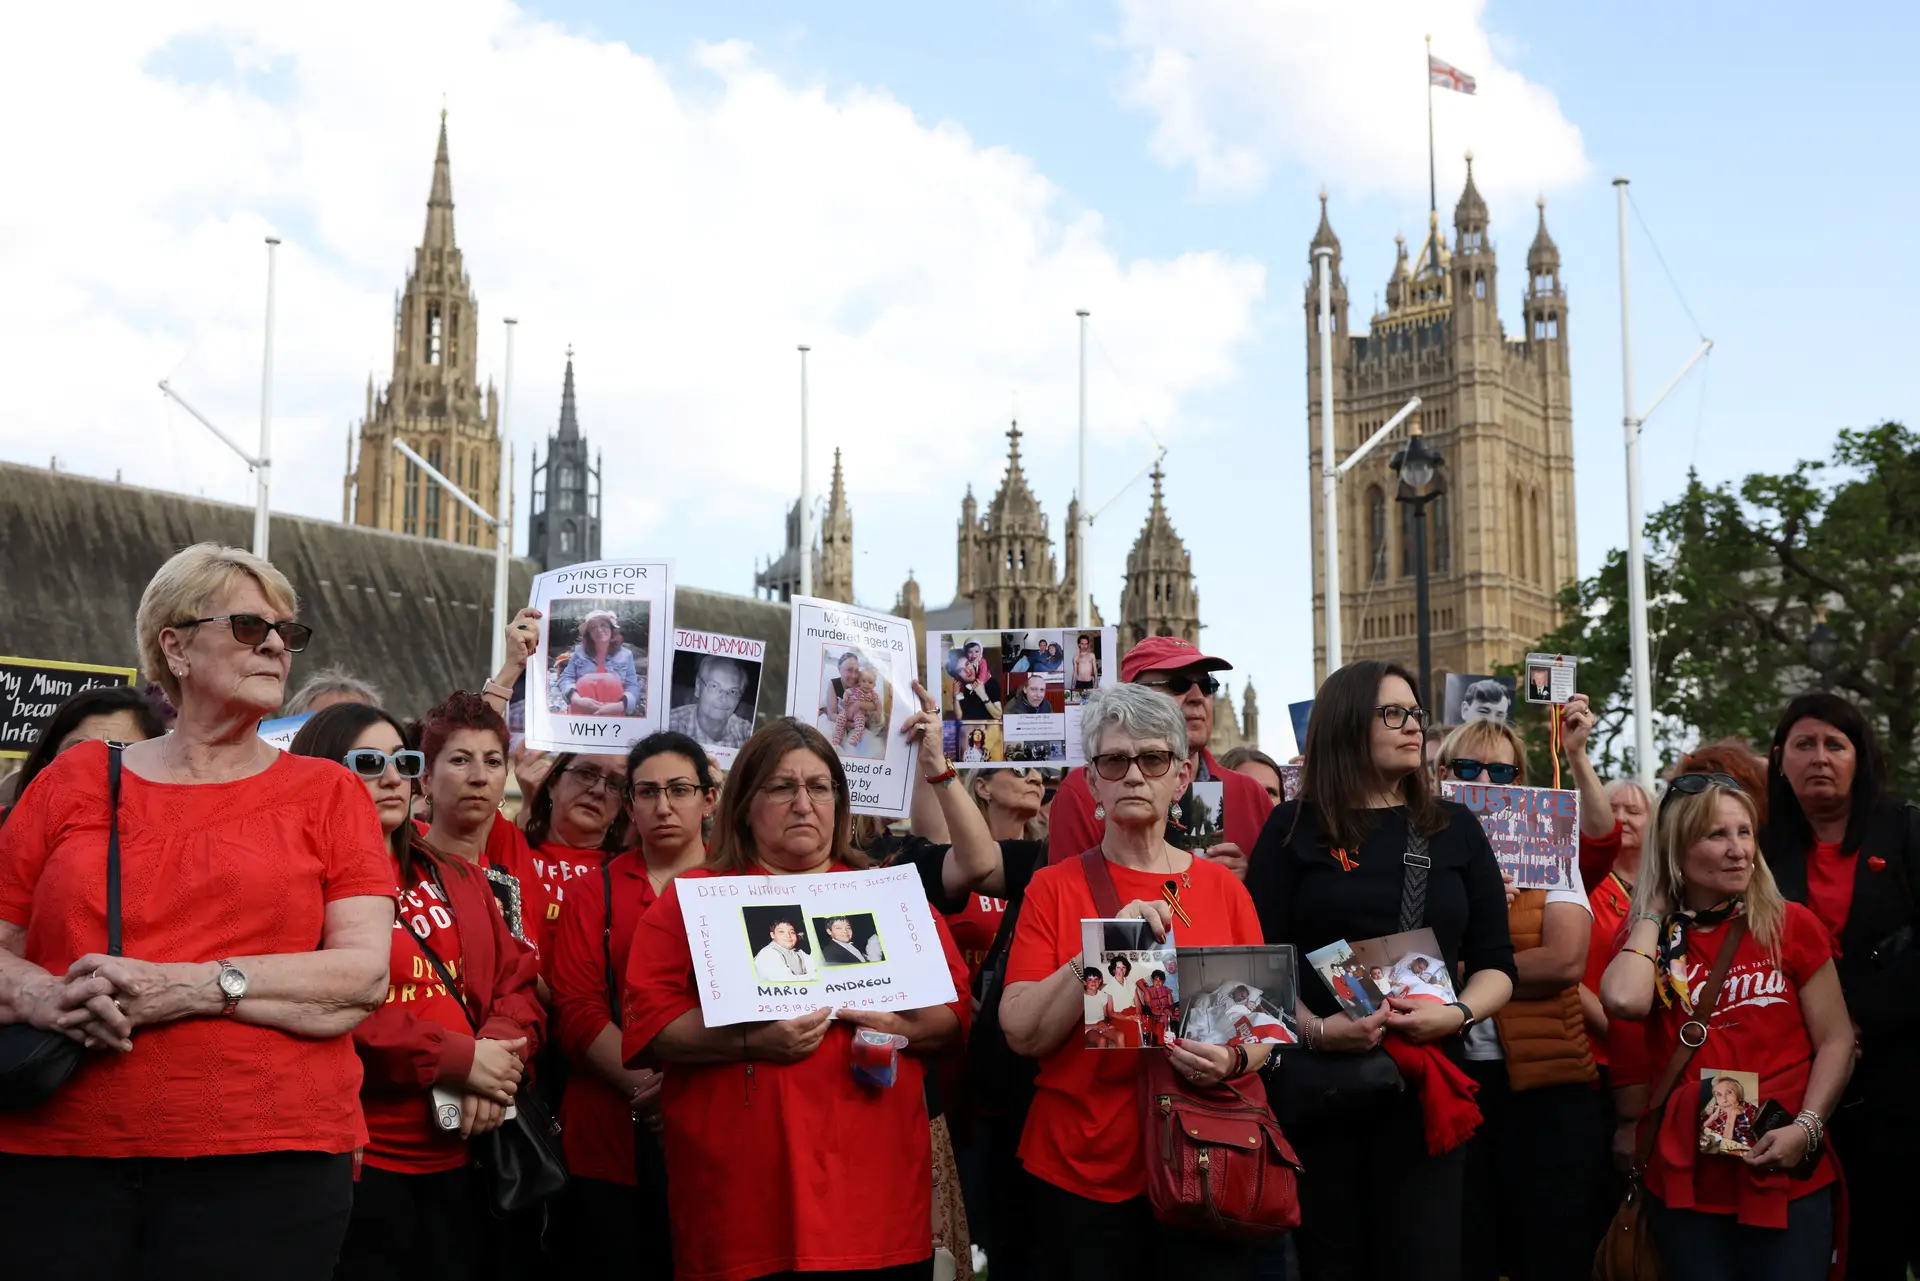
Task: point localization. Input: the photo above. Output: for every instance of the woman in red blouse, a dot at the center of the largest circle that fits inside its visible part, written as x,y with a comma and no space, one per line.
1851,853
418,1213
1780,1015
616,1207
209,1131
1082,1140
778,1160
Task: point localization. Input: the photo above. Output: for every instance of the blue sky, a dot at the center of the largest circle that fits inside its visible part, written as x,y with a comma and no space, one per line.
1770,156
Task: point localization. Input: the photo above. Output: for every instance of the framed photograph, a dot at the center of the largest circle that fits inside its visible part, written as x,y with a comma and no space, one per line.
1131,986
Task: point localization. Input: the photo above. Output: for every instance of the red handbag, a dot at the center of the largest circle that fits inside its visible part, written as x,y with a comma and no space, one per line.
1216,1160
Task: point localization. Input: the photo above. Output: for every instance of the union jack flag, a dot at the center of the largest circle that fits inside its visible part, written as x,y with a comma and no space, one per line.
1448,76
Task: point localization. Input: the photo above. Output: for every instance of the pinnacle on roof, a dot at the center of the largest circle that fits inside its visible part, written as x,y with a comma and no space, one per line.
569,418
439,233
837,492
1324,236
1543,255
1013,447
1471,212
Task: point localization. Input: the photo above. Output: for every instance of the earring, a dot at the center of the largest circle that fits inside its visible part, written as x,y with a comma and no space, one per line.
1100,811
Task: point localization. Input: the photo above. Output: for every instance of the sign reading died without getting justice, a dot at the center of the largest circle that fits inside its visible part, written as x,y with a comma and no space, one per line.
31,689
777,947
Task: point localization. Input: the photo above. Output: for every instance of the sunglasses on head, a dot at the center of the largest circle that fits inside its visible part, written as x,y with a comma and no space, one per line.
251,629
1694,784
1468,770
1178,685
370,762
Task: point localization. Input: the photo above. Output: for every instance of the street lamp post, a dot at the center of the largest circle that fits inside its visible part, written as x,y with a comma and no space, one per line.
1418,467
1822,646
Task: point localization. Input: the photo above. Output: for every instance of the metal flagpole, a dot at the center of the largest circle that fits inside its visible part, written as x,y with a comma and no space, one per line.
1329,518
1083,614
263,469
806,488
1636,556
503,528
1433,188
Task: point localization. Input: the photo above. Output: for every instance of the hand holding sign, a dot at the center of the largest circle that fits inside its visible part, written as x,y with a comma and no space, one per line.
789,1040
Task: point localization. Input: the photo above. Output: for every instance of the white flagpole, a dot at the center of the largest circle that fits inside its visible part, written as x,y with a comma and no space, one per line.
806,487
1329,476
1083,609
263,470
503,508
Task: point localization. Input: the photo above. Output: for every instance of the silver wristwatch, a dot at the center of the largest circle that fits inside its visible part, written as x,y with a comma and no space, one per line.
233,984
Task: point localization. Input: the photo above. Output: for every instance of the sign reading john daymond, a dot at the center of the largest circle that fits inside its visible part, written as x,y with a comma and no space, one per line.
32,688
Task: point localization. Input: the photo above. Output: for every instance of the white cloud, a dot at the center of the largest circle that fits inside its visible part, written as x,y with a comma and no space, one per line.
1335,90
684,222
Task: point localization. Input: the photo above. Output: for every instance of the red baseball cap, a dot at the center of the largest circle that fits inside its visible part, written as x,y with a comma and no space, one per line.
1167,654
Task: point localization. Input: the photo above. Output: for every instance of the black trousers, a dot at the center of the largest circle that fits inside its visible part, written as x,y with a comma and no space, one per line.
413,1227
1716,1247
1532,1181
1877,1153
921,1271
1122,1241
1374,1205
606,1229
209,1218
1014,1233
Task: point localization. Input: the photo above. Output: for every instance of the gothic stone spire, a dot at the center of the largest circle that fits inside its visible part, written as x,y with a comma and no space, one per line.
439,234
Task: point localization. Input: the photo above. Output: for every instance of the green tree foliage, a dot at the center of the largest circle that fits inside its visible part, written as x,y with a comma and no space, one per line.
1735,576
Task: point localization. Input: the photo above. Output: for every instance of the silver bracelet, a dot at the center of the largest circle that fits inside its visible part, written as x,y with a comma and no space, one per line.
1812,1131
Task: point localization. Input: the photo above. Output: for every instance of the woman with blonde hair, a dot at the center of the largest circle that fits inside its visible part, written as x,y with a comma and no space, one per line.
1704,890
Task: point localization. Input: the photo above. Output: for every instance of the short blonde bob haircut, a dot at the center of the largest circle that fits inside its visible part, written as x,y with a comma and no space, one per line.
1679,824
189,585
1474,738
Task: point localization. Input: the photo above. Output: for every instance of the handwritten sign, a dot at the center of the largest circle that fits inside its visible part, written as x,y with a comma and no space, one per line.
32,689
598,681
1535,831
715,691
777,947
851,676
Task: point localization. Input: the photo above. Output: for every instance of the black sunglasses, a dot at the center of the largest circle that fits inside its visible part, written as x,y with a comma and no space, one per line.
1179,685
251,629
1467,770
1694,784
1113,766
371,762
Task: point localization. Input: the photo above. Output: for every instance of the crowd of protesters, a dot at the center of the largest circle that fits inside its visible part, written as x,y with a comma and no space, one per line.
282,1014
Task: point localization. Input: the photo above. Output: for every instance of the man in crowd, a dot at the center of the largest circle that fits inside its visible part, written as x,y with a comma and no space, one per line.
1178,669
712,718
1486,700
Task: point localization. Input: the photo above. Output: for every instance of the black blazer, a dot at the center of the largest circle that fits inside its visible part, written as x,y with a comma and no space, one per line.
1879,963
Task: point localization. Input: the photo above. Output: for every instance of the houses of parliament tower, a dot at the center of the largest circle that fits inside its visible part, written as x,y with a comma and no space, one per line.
1497,406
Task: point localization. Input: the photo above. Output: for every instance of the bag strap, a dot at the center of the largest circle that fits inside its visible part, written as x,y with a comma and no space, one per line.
1106,899
433,958
606,940
1413,883
1683,1053
113,849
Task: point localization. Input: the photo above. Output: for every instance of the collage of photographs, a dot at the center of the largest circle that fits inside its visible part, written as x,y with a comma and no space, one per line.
1012,697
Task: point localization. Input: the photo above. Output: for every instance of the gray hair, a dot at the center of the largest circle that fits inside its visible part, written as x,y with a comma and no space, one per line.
1620,785
332,681
1135,711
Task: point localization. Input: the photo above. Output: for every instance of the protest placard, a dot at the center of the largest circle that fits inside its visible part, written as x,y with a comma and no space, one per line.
777,947
715,690
1476,698
1290,776
850,675
32,689
1299,714
1535,831
597,682
1550,677
1014,697
280,730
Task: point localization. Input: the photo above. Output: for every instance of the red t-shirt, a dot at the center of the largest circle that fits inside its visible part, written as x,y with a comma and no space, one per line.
555,868
775,1167
1083,1131
208,871
1757,1026
974,927
596,1122
1830,886
1611,900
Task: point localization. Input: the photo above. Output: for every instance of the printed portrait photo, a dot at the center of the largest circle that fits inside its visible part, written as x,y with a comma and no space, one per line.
1131,986
1239,995
1729,1105
598,648
973,742
853,701
1407,966
970,688
1084,664
853,939
1036,694
1203,816
777,940
1477,698
712,698
1351,983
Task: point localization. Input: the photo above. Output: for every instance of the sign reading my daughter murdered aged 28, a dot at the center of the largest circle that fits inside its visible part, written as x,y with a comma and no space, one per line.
777,947
850,675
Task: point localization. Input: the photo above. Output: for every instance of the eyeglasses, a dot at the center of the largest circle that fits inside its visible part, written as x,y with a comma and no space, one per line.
1179,685
1113,765
1394,716
1468,770
677,793
251,629
1694,784
590,780
370,762
819,792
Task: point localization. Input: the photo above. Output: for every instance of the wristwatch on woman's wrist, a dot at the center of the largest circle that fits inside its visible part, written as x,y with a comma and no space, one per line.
1466,1012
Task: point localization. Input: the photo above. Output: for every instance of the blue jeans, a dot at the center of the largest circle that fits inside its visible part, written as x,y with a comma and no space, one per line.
1718,1247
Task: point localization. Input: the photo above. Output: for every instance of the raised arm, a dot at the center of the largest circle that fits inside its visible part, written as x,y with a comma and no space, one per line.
1596,812
523,637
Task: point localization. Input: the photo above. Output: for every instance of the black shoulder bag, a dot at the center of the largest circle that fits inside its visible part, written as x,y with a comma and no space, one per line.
522,1165
35,1062
1320,1089
1000,1080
